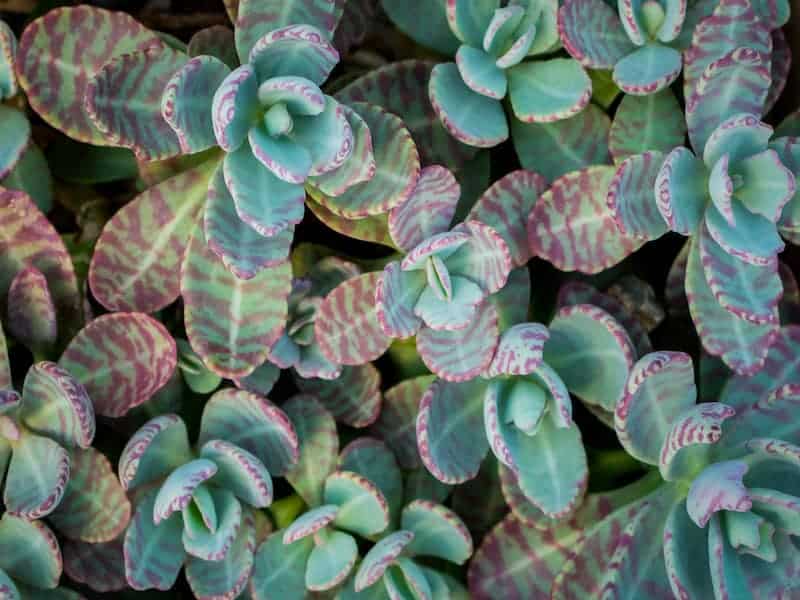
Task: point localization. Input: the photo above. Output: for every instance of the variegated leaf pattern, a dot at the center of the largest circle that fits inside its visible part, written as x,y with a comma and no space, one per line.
122,359
572,212
123,101
641,123
31,313
369,229
353,398
346,327
55,73
99,566
28,239
94,507
231,322
136,262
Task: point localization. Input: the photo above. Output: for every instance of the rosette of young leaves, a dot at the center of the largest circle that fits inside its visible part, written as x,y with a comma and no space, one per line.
641,41
439,290
732,196
22,164
490,64
726,507
30,561
318,550
427,530
200,510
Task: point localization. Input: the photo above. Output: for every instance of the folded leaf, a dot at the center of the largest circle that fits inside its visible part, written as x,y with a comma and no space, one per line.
239,472
373,459
592,33
632,197
648,69
160,446
213,544
362,507
331,562
548,90
37,477
380,557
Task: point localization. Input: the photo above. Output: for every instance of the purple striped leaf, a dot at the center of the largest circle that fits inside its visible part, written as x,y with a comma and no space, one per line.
742,345
591,352
56,61
641,123
402,89
452,454
484,258
592,33
396,295
688,440
619,556
16,130
660,386
309,523
521,507
37,476
438,532
318,447
56,405
28,239
358,21
353,398
101,567
749,292
29,553
187,100
255,425
455,103
115,386
719,487
396,424
462,354
136,262
235,98
31,312
632,196
360,166
371,458
428,210
346,326
779,68
153,553
575,208
216,41
516,560
519,351
256,19
397,168
362,507
380,557
732,24
279,570
505,207
716,95
244,251
123,101
299,50
94,508
239,472
157,448
228,321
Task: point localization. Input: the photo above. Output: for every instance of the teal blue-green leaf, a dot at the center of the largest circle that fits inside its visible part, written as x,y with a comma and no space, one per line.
362,507
548,90
37,476
479,71
432,31
201,542
31,174
374,460
240,472
29,552
438,532
279,570
161,445
16,133
331,561
648,69
176,492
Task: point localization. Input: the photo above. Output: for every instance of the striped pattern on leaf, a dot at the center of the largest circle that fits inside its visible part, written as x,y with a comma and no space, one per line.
231,323
136,262
122,359
99,566
572,227
31,313
353,398
37,477
94,508
641,123
56,60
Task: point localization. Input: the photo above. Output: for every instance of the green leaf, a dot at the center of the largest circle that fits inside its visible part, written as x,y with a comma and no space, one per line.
362,507
158,447
438,532
29,552
37,476
331,561
279,571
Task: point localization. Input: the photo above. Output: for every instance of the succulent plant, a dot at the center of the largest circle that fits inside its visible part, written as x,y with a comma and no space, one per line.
722,505
198,508
22,164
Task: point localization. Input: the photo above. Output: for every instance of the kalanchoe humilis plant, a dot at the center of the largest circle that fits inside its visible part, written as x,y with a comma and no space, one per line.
30,561
725,507
199,511
733,197
490,65
22,164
